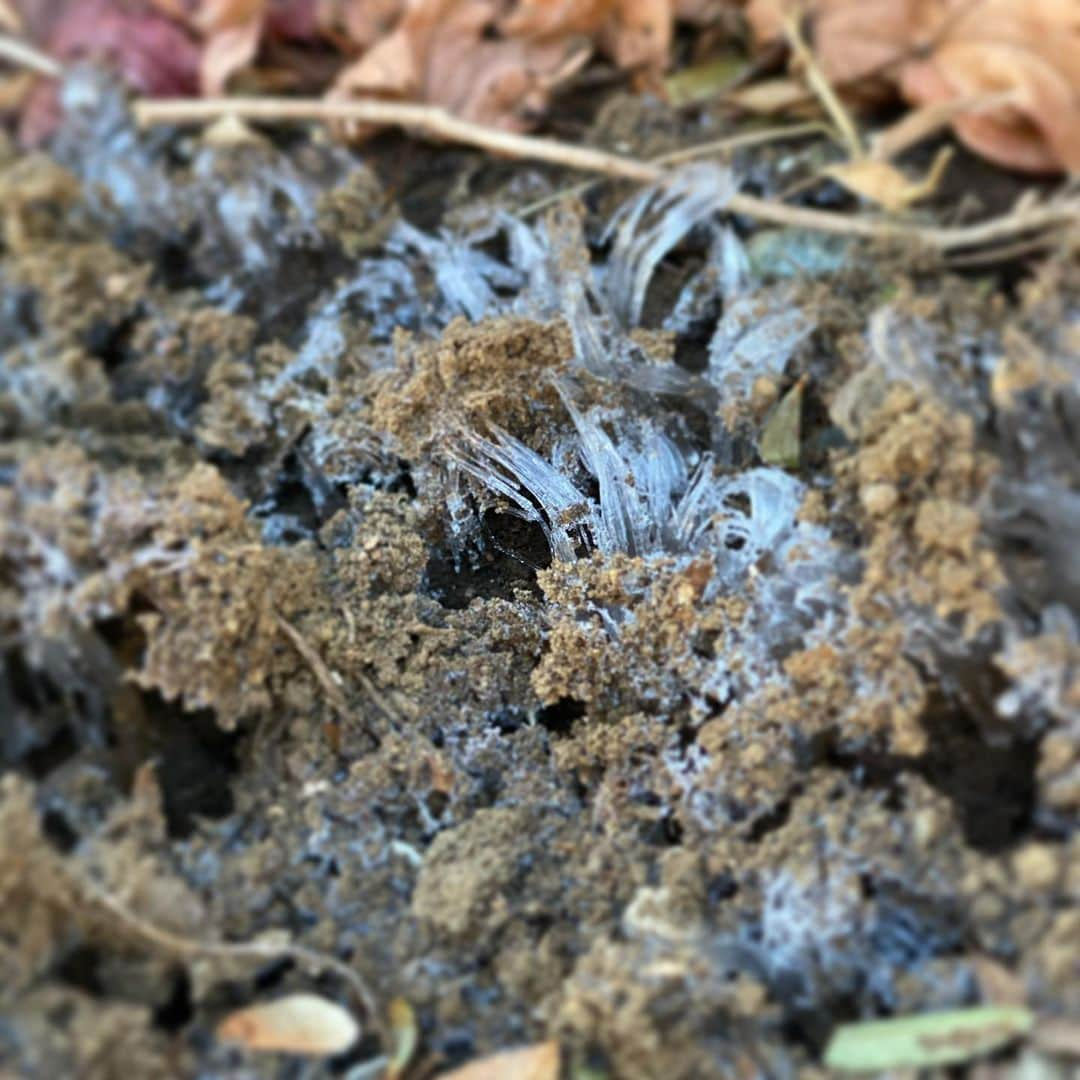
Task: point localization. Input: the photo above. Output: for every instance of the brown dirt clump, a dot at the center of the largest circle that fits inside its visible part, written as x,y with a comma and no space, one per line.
492,373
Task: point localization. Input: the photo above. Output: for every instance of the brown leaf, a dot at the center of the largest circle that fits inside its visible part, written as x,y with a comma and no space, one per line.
537,1062
440,52
883,183
358,24
1031,49
936,51
296,1024
10,19
550,18
234,30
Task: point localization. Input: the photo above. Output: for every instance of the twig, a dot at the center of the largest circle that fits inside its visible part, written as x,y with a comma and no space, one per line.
427,118
247,950
1004,253
441,124
821,87
326,679
22,54
692,153
318,666
742,139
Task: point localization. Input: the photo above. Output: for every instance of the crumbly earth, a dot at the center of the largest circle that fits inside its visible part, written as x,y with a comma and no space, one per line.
272,670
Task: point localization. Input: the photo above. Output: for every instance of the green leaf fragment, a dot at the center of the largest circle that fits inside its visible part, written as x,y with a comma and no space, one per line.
942,1038
703,80
782,434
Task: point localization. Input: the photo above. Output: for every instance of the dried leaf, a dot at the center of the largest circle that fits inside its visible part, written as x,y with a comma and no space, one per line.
772,96
704,80
1031,49
233,29
781,437
10,19
997,984
537,1062
441,53
943,1038
406,1035
358,23
884,184
297,1024
150,52
936,51
924,122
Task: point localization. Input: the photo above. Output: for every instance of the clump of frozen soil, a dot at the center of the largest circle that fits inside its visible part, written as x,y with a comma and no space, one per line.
443,580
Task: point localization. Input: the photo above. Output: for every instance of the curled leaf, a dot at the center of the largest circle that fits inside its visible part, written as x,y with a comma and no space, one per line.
938,51
296,1024
406,1036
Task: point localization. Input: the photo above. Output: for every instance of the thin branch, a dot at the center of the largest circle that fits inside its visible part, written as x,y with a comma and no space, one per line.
741,140
693,153
438,123
249,950
318,666
820,85
22,54
430,119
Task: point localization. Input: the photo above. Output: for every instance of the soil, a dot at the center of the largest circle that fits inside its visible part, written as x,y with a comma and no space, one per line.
279,666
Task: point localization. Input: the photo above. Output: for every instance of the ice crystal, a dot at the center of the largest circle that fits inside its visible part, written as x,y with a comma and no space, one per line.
757,336
647,227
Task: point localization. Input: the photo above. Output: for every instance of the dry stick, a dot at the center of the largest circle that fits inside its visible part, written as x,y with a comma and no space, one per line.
326,680
823,91
438,122
249,950
742,139
22,54
318,666
698,150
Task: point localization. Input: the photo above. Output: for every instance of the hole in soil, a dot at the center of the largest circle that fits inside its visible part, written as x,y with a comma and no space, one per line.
80,969
176,1011
507,720
365,1050
271,977
110,342
559,718
721,887
770,821
195,760
58,831
513,552
992,787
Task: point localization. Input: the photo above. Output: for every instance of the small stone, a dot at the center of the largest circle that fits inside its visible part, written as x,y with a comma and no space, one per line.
1036,866
879,499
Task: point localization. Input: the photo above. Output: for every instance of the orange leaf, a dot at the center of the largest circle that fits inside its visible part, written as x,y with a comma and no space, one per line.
1030,49
537,1062
937,51
297,1024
